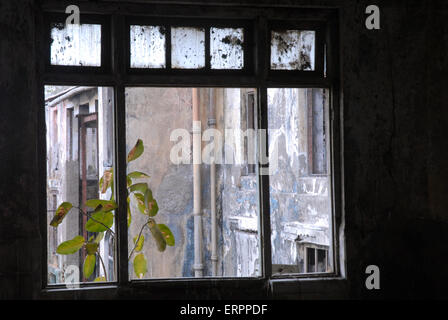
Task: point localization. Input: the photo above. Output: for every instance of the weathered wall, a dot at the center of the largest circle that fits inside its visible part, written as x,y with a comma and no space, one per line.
389,84
152,114
300,200
19,232
395,152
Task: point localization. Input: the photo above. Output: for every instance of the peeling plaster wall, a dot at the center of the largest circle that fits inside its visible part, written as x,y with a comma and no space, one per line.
300,201
239,194
395,151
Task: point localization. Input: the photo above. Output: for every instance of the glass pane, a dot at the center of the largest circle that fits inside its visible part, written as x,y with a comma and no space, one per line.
321,260
226,48
311,259
81,237
187,48
211,209
147,47
292,50
76,45
300,199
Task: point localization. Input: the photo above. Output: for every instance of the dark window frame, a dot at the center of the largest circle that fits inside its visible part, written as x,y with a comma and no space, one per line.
115,72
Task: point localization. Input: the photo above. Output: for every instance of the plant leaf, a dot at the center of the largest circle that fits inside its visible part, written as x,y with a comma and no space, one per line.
139,187
169,237
60,213
140,243
71,246
158,236
136,151
137,175
107,205
106,180
99,220
100,279
151,203
91,247
89,265
141,203
140,265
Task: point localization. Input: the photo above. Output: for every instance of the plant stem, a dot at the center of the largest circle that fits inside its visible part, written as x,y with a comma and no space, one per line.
87,215
136,242
102,263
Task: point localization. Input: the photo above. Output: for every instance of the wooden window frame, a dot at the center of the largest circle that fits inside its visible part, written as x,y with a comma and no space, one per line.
115,72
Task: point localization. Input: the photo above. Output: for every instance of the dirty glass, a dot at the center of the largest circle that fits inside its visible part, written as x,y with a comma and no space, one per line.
80,205
76,45
300,197
187,48
226,48
147,46
200,217
292,50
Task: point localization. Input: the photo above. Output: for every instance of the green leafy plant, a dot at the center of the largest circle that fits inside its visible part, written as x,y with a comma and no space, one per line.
102,219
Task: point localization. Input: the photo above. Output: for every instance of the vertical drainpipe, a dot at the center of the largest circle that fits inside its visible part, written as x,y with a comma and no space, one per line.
212,124
197,141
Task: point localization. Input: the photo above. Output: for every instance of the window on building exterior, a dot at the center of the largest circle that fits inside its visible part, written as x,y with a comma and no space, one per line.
250,124
209,136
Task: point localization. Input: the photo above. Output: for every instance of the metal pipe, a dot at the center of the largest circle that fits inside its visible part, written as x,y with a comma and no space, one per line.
197,212
212,124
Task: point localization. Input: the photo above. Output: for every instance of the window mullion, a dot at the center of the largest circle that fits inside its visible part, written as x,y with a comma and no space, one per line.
120,151
120,180
262,56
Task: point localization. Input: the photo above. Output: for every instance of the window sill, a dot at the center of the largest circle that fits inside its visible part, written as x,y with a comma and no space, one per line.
309,288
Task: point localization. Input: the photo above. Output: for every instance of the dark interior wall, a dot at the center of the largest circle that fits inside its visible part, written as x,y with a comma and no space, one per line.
19,218
394,109
395,155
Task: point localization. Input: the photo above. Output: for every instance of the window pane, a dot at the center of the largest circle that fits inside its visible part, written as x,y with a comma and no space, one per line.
187,48
224,199
79,123
226,48
147,47
76,45
321,260
300,200
311,259
292,50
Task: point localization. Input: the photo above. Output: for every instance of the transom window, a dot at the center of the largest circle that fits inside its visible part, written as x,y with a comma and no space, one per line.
193,147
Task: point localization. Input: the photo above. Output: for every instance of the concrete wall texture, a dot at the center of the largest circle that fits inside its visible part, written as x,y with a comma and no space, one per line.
394,149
